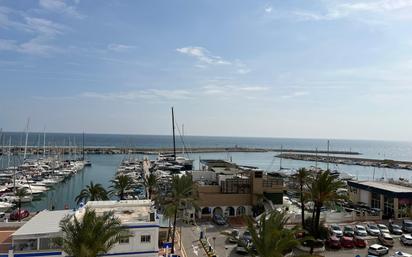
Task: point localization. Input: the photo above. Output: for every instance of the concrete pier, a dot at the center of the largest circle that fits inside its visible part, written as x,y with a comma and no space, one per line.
380,163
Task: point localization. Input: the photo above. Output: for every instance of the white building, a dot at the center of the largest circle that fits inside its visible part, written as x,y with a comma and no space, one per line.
35,238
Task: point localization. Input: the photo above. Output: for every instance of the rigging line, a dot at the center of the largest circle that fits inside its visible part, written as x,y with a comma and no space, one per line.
181,138
270,165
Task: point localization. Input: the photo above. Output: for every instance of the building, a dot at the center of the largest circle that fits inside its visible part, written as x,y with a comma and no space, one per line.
393,198
39,233
232,190
138,216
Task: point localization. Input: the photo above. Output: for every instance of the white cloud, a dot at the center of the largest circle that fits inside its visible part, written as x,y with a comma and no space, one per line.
119,47
155,94
203,55
243,71
41,32
337,11
45,28
231,89
60,6
7,45
268,9
295,94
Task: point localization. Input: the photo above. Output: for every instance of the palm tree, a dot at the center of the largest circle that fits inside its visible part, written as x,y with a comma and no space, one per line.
92,192
270,238
21,193
150,183
323,190
92,235
302,176
121,184
169,213
180,197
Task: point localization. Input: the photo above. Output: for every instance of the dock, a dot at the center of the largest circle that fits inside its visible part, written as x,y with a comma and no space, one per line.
380,163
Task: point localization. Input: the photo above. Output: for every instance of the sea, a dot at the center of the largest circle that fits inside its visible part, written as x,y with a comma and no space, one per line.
104,166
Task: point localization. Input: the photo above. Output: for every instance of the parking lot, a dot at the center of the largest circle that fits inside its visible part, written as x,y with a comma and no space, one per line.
218,238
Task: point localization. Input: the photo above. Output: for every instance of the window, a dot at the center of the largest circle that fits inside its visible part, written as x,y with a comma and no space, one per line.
376,200
145,239
124,241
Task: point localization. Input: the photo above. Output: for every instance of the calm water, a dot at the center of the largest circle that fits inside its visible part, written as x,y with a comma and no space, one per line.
104,166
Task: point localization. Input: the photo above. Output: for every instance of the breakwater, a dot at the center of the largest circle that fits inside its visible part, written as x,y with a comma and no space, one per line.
381,163
315,151
34,150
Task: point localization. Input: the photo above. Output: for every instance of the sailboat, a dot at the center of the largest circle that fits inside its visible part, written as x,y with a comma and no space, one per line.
172,161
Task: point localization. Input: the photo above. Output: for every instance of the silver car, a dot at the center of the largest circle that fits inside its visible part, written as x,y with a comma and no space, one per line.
373,230
378,250
360,230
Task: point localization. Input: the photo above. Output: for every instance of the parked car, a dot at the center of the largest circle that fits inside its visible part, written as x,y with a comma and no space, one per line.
386,239
333,242
378,250
335,230
347,242
16,215
406,239
348,231
359,242
407,226
395,229
401,254
383,228
360,230
247,236
373,230
240,248
234,236
219,220
2,216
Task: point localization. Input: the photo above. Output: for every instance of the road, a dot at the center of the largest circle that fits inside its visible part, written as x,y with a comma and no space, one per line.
190,240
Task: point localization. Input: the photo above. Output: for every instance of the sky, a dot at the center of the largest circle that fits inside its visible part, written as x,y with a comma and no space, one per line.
304,69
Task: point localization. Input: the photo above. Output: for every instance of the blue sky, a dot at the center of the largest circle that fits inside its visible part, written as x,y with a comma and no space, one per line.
325,69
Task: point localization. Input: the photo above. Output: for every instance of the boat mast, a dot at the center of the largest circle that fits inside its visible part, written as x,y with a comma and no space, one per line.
9,153
281,152
27,137
44,142
83,147
327,164
1,147
174,139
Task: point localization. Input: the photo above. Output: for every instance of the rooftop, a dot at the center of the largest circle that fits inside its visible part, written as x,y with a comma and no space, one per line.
45,222
128,211
385,186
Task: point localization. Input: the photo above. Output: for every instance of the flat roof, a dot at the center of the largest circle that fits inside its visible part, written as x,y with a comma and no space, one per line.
126,210
45,222
384,188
